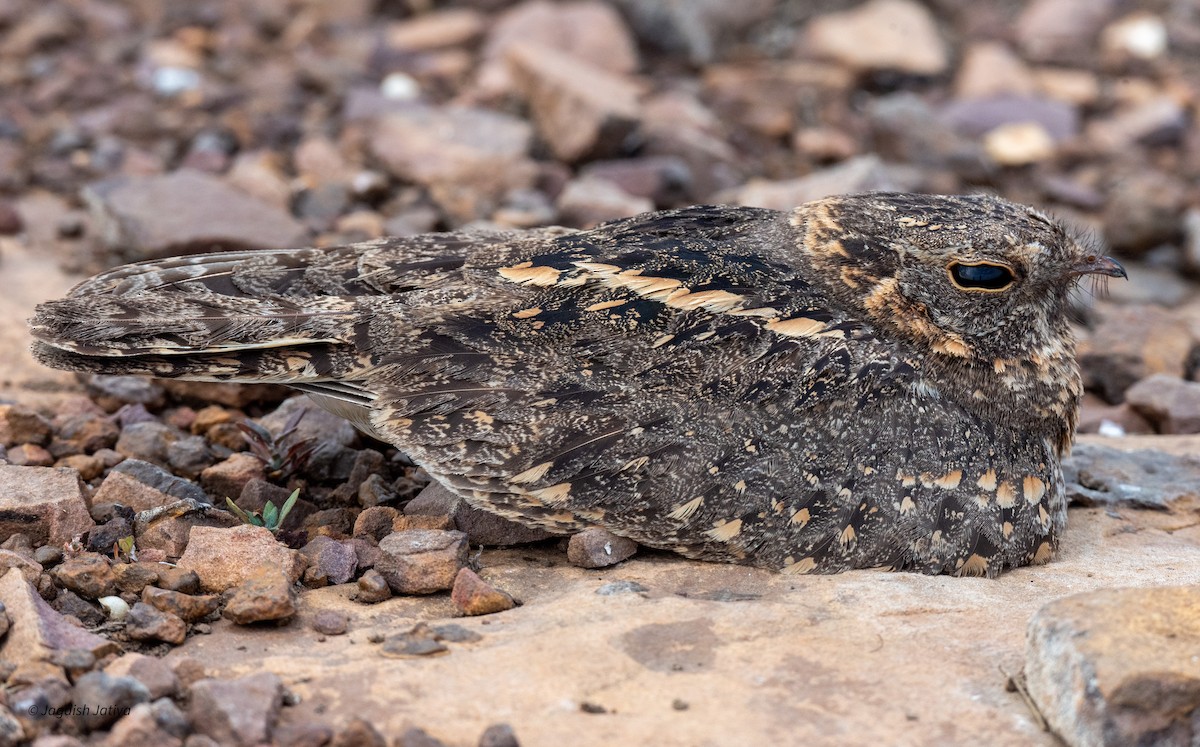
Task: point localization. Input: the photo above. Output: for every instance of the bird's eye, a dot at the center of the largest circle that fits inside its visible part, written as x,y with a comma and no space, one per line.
982,276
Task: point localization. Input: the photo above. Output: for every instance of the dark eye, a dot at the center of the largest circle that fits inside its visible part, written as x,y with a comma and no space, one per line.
983,276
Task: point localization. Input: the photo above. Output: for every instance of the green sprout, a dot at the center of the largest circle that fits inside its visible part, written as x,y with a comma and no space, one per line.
271,517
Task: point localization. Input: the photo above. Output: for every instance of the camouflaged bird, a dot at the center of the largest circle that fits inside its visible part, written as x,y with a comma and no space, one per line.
881,380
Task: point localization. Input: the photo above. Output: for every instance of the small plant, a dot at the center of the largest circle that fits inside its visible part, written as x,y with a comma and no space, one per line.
281,455
271,517
125,549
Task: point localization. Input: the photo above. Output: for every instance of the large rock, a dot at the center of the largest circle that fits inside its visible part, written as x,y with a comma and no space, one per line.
1131,343
238,712
579,108
1100,475
1171,404
44,503
422,561
880,35
183,212
140,485
224,558
467,158
37,631
1118,666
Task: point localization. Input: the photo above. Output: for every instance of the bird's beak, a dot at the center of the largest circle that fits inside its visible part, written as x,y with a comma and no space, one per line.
1097,265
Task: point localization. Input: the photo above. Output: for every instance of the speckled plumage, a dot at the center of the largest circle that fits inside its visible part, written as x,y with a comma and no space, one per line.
804,390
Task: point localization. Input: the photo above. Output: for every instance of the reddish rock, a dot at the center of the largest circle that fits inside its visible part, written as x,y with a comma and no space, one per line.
474,596
266,595
151,671
224,558
133,577
227,479
230,395
145,725
241,711
186,211
1131,343
87,432
30,455
434,30
1171,404
141,485
403,523
597,548
117,694
579,108
88,467
38,630
147,623
335,561
20,425
372,588
46,504
897,35
592,200
421,561
375,522
89,575
330,622
27,567
1097,416
467,158
187,607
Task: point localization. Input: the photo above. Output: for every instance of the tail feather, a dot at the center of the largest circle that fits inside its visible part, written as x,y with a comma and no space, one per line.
269,316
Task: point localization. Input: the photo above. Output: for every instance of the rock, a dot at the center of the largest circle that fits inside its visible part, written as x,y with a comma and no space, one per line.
88,467
660,179
264,596
147,441
329,432
111,392
1139,35
189,456
147,623
499,735
241,711
108,696
1131,343
228,478
589,31
1118,666
335,561
170,532
597,548
1144,209
89,575
376,521
481,527
1171,404
474,596
372,588
861,174
591,200
45,503
150,725
697,28
87,432
421,561
330,622
29,455
1019,144
28,568
991,68
416,737
1097,416
140,486
978,117
258,174
38,630
579,108
898,35
151,671
1159,121
467,158
185,212
359,733
435,30
224,558
230,395
1061,30
20,425
1098,475
189,608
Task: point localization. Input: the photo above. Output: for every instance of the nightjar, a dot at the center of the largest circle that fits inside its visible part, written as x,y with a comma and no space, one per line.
877,380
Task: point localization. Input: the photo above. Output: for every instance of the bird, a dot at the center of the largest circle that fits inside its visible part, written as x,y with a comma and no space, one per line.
879,380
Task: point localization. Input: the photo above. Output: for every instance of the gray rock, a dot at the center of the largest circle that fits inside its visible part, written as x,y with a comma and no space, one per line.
242,711
1099,475
421,561
106,698
597,548
1170,403
185,212
140,485
481,527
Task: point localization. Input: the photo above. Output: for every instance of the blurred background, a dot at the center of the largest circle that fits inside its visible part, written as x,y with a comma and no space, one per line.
139,129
